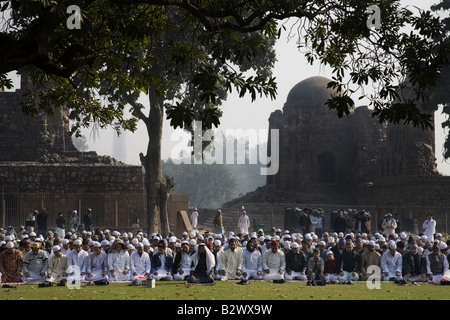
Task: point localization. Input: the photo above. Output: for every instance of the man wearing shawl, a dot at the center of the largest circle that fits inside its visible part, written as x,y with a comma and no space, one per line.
203,263
11,263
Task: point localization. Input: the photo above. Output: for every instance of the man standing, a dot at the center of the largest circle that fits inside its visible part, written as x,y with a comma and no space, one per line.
194,218
41,222
218,223
35,264
389,225
429,227
231,261
340,223
244,223
274,263
437,265
11,261
60,225
161,264
30,222
88,220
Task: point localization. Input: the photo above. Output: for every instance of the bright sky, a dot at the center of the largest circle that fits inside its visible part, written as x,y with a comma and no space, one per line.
241,113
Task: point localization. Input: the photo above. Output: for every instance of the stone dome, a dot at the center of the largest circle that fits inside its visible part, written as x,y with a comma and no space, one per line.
310,93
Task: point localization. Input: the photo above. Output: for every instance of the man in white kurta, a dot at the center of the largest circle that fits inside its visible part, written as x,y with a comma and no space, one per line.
243,223
57,266
231,261
119,262
391,263
184,264
194,218
140,262
96,264
429,227
252,263
75,262
274,263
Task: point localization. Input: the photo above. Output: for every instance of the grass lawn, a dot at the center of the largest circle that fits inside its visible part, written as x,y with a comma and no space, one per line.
229,290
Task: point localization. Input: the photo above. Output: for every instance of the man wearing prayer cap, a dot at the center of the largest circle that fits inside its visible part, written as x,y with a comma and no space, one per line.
182,263
57,267
11,261
369,259
391,263
97,264
295,263
217,252
414,265
274,263
350,262
140,264
437,265
75,260
251,263
35,264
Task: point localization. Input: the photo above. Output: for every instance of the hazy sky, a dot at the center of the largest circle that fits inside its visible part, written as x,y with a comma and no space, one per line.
241,113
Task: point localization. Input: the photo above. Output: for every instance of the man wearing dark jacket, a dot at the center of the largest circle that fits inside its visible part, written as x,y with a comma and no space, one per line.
350,265
295,263
340,223
414,265
162,264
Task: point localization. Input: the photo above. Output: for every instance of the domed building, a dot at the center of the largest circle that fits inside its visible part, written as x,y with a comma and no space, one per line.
332,158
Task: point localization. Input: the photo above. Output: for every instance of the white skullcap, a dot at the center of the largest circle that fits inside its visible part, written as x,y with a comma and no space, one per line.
329,252
442,246
135,241
97,244
217,243
65,241
278,230
178,245
438,234
131,247
330,240
364,234
424,237
371,243
276,238
56,248
192,242
402,235
107,231
201,238
392,245
261,238
77,242
10,245
321,243
294,245
184,233
173,239
105,243
140,245
377,246
146,243
420,249
192,234
33,234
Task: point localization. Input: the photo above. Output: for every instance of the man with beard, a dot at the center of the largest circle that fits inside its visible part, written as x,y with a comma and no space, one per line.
350,262
369,259
295,263
57,267
202,265
274,263
251,264
11,261
35,264
437,265
97,264
140,262
231,261
391,263
182,262
414,265
119,262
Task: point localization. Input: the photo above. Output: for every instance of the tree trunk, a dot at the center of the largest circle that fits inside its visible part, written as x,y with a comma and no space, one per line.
152,163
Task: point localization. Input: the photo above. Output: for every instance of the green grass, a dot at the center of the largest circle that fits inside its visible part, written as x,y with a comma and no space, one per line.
229,290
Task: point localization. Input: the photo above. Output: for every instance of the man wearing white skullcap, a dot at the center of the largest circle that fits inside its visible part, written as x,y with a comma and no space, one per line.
414,265
391,263
182,262
97,264
11,261
429,227
295,263
75,261
251,263
437,265
140,264
57,267
370,259
217,252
